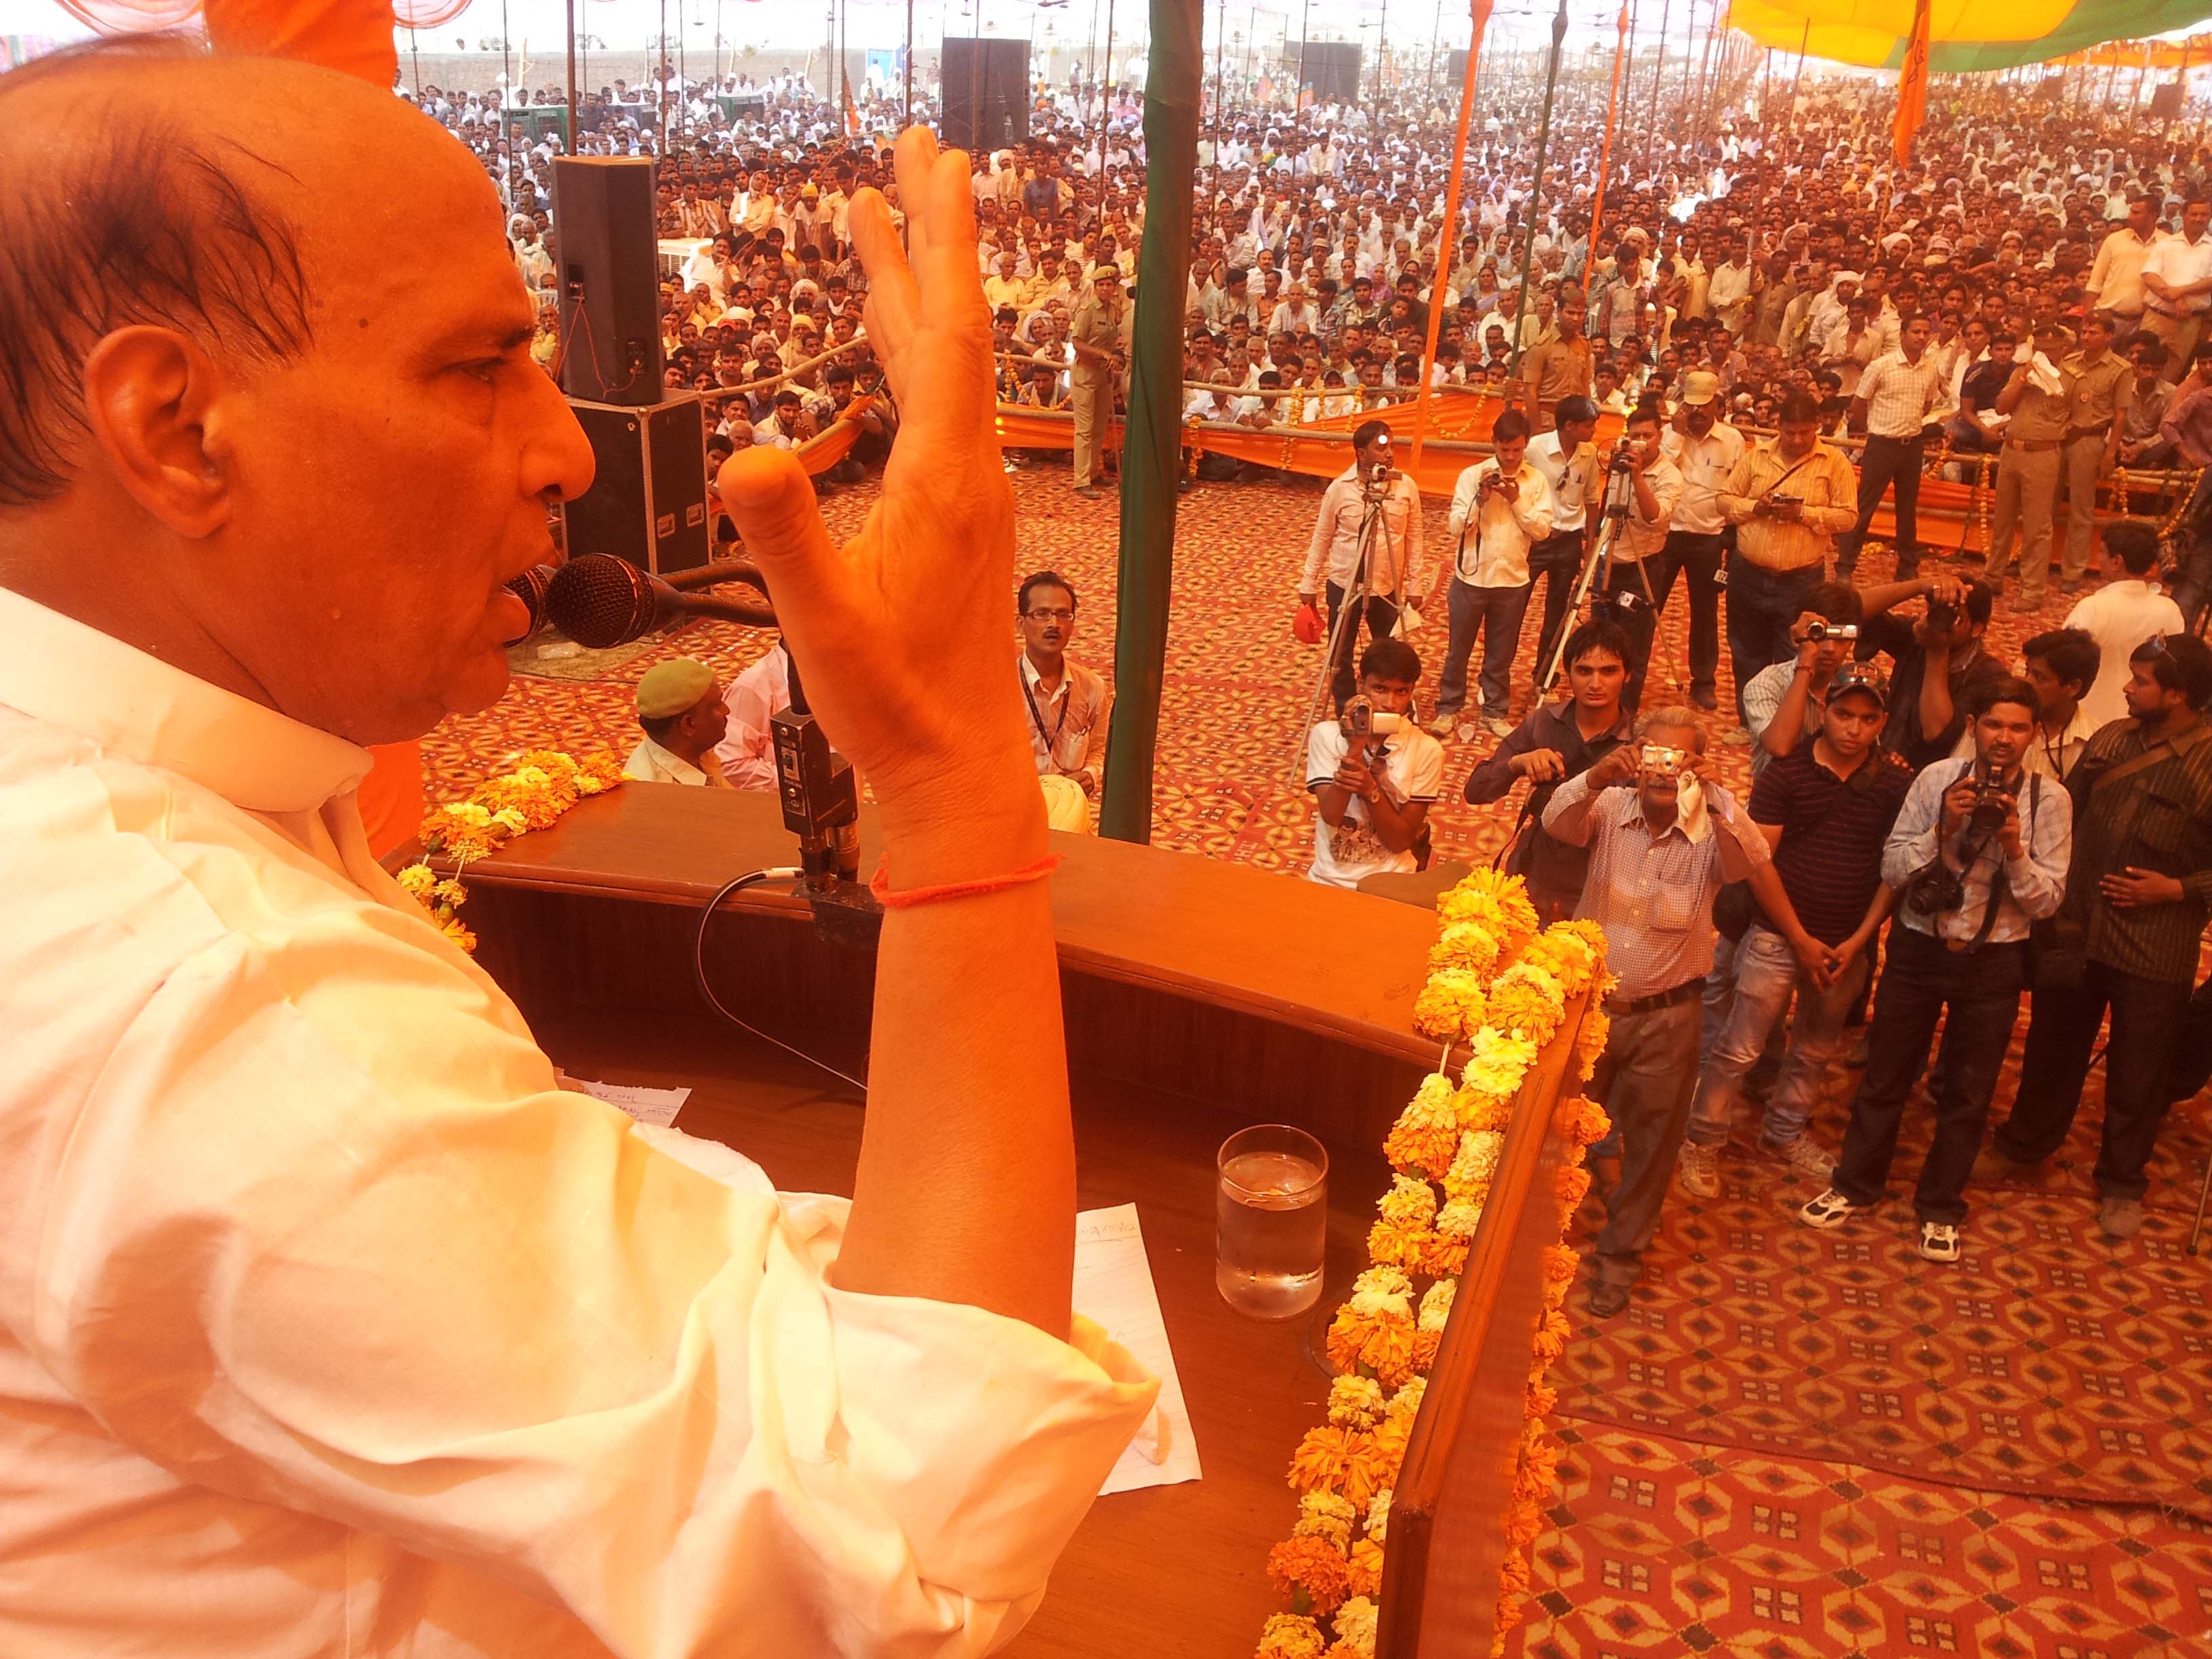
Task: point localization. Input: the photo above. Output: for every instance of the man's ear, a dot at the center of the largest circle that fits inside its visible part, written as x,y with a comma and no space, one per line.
148,393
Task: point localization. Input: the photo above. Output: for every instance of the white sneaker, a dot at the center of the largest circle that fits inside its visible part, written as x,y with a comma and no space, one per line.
1803,1154
1830,1209
1444,726
1500,727
1698,1168
1939,1241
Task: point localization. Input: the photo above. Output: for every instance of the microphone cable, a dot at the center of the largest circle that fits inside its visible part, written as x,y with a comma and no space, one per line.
752,877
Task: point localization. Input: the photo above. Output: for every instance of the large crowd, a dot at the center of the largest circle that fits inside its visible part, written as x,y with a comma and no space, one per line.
1794,331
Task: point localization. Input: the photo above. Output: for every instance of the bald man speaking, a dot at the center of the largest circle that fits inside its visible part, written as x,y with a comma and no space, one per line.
329,1325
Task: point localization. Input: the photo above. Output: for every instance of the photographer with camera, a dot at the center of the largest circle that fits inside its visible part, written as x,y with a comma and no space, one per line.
1574,467
2126,939
1978,854
1783,703
1652,487
1558,740
1661,841
1789,498
1367,542
1501,508
1826,810
1374,775
1939,668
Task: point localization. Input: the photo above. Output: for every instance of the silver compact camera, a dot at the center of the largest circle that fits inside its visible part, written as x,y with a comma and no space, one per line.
1655,760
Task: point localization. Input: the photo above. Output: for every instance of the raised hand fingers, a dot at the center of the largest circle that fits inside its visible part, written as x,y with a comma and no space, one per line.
893,308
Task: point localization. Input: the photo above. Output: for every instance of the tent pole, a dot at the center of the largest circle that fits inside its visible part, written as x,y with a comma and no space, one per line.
1447,236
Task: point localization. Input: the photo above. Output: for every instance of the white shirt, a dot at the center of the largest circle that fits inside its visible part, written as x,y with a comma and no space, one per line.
331,1324
651,763
1569,478
2120,615
1347,854
2179,263
1492,551
1706,463
747,750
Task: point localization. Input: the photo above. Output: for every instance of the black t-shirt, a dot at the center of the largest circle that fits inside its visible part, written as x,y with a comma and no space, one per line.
1829,858
1972,674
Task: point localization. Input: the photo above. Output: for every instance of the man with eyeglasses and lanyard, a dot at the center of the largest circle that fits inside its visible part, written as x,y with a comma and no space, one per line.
1069,706
2127,936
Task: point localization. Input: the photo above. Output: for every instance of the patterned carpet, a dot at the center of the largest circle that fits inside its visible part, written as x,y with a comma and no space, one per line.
1793,1442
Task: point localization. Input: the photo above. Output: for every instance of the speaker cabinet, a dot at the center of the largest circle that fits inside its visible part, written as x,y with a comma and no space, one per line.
2165,101
603,228
648,502
987,92
1332,70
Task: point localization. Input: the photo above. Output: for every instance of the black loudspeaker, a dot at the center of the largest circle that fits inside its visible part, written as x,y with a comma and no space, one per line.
603,228
648,502
2165,101
987,92
1455,70
1332,70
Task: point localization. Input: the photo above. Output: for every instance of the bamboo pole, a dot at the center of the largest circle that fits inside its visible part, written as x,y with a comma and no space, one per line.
1478,12
1605,155
1536,199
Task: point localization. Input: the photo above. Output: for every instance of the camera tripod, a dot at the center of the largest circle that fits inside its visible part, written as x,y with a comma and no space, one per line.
1596,573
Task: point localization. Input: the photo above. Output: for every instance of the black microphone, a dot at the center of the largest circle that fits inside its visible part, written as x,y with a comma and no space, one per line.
599,600
530,587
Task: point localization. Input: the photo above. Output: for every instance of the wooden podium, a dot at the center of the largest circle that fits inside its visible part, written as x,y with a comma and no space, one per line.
1199,997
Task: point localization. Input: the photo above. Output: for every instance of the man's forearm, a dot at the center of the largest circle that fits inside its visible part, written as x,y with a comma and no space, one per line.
965,1190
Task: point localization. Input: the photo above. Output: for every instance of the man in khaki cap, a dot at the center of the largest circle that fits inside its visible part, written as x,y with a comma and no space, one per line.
680,706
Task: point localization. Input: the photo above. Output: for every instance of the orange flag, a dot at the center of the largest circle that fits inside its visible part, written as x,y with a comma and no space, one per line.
1913,85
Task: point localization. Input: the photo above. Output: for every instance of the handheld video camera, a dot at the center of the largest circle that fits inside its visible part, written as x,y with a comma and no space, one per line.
1360,718
1821,630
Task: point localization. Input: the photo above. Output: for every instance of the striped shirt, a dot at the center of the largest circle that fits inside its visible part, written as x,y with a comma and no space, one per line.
2160,819
1829,857
1653,894
1901,397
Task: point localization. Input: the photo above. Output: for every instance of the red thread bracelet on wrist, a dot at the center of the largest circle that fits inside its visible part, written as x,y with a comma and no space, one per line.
880,884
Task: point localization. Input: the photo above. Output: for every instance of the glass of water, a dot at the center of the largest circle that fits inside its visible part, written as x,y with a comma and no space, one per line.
1270,1220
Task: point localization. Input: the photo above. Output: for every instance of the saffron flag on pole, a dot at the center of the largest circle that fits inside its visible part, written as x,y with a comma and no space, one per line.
1913,85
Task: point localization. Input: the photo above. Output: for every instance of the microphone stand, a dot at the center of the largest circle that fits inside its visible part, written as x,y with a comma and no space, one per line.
820,797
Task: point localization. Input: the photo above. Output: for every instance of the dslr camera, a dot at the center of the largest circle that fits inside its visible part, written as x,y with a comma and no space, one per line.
1943,615
1992,800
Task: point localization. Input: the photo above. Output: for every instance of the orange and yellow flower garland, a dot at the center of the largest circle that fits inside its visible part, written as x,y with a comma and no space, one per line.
1502,988
543,784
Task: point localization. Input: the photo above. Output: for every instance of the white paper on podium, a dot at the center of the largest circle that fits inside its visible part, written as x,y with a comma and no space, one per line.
1113,1289
658,1107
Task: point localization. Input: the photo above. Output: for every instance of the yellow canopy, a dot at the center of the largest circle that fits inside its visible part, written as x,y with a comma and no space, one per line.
1962,34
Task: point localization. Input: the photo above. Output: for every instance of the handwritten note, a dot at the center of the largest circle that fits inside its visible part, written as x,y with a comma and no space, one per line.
1113,1289
658,1107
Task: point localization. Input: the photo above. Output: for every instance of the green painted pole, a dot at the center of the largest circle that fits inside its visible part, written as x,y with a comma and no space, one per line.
1151,445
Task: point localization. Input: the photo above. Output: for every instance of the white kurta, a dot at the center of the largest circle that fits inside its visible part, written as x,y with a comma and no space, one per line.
330,1325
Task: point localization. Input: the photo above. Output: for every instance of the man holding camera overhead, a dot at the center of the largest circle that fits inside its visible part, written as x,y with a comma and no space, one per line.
1789,497
1941,672
1978,854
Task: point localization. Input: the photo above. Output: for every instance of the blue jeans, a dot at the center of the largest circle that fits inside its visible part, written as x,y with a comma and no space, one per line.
1767,975
1761,606
1495,613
